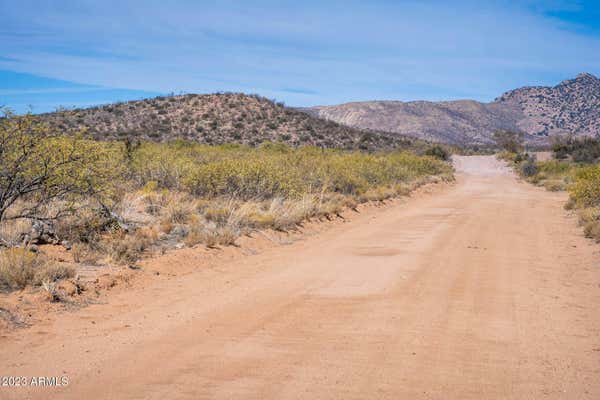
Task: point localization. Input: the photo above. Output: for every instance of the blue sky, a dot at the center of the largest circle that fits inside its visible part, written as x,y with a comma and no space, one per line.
78,53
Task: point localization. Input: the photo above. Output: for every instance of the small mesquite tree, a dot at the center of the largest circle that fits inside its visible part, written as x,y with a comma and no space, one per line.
39,166
511,141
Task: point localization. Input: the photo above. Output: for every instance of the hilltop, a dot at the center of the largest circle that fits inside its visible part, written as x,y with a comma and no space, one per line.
573,106
216,119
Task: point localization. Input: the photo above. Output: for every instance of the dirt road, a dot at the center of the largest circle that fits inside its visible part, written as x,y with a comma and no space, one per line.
484,290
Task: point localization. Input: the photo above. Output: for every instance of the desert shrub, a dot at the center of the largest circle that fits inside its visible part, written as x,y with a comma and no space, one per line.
205,194
273,170
585,155
212,236
438,152
560,150
529,167
583,150
554,185
589,214
84,226
218,215
592,230
520,157
17,268
39,165
178,210
585,191
13,231
123,248
554,175
50,272
509,141
552,167
20,267
87,253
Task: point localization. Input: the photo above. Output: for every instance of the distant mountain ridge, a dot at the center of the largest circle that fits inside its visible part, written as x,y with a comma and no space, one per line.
571,107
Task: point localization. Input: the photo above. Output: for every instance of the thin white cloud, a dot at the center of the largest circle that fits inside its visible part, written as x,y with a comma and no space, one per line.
342,50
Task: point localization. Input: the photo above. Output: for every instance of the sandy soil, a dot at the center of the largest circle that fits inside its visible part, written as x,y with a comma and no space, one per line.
485,290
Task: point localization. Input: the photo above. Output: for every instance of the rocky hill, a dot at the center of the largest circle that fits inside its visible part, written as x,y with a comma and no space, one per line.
573,106
456,122
216,119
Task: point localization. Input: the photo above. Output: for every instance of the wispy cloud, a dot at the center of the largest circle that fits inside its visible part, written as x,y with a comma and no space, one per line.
309,52
26,92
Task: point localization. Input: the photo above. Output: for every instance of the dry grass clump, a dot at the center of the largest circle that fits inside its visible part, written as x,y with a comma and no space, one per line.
379,194
125,249
218,214
286,214
178,209
592,230
225,236
13,231
85,226
53,272
138,207
555,185
212,236
590,219
86,253
20,267
590,214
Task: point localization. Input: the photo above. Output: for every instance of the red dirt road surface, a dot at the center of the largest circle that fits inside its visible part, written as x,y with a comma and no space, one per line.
485,289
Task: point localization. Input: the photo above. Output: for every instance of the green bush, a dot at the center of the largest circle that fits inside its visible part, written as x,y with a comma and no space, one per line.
438,152
583,150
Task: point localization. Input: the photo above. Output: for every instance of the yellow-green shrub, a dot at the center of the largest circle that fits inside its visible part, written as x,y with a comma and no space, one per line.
275,170
585,191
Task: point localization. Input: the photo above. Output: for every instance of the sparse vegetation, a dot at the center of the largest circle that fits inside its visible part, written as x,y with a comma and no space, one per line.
20,267
220,118
529,167
439,152
583,150
510,141
585,195
112,202
574,168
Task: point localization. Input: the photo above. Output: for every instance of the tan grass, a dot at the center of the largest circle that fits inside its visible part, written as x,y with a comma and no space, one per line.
124,248
12,231
592,230
20,267
50,272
